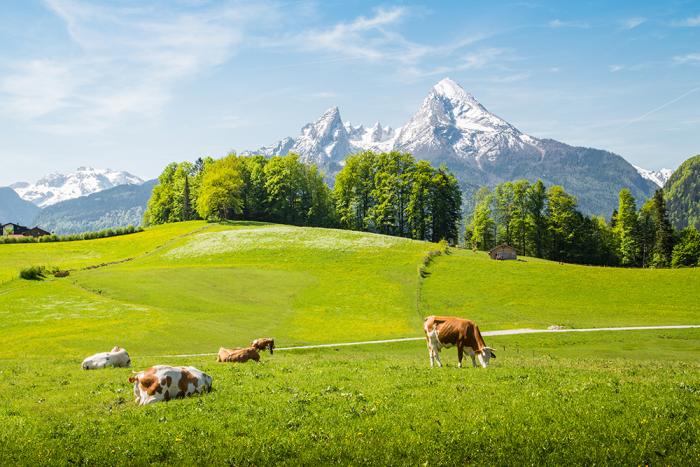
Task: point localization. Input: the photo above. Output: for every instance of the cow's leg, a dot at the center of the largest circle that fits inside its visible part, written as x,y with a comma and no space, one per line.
472,355
437,357
431,355
460,354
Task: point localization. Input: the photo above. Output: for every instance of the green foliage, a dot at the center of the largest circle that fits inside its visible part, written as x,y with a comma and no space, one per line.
391,193
663,234
175,197
687,250
683,194
220,196
33,273
481,229
539,222
627,229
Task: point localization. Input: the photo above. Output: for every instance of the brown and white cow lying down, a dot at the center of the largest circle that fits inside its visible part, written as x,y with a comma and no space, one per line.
446,331
264,343
117,357
239,355
163,382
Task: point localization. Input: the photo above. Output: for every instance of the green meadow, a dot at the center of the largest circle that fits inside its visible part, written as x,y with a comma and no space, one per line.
586,398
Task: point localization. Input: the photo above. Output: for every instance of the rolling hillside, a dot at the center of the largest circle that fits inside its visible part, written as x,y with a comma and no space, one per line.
191,287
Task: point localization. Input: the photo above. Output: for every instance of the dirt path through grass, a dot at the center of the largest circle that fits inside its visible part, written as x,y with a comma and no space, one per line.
503,332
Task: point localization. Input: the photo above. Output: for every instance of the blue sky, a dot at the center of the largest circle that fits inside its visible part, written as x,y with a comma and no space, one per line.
133,85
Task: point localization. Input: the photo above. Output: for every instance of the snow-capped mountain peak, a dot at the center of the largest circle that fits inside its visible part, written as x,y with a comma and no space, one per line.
56,187
659,177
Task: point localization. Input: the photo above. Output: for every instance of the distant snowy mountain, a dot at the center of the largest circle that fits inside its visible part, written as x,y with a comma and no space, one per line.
453,128
57,187
659,177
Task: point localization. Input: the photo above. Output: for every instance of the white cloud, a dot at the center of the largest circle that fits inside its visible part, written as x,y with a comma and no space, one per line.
693,59
557,23
688,22
370,39
616,68
512,78
631,23
128,61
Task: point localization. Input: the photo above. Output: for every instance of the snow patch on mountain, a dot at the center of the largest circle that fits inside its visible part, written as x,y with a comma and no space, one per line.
659,177
57,187
450,122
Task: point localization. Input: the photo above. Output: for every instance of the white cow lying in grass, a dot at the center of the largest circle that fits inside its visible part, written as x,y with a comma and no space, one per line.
117,357
163,382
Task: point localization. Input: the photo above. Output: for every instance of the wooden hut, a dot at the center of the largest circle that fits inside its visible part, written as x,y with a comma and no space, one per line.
503,251
15,230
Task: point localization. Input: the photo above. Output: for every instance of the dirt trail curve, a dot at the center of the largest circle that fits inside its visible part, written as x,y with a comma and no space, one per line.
504,332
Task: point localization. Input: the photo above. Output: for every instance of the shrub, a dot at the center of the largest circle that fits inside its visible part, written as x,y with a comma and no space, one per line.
33,273
59,273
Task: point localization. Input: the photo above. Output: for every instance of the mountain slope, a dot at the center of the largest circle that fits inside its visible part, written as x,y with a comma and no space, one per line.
115,207
683,194
57,187
453,128
15,209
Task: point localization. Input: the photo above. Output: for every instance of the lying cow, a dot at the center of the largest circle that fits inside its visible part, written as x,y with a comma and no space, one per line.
239,355
446,331
117,357
264,343
163,382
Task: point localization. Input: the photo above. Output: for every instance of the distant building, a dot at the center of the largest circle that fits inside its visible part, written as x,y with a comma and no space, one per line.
15,230
503,251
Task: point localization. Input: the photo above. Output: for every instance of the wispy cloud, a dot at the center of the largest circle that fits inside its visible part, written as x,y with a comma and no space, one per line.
128,61
688,22
512,78
372,39
558,23
631,23
693,59
615,68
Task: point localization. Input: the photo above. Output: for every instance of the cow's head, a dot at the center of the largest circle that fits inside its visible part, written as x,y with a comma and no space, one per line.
485,355
264,343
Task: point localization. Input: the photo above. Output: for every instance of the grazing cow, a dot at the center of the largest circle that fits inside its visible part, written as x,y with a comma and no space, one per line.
239,355
446,331
264,343
163,382
117,357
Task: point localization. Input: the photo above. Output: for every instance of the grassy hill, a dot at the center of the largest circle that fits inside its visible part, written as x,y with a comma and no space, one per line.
605,398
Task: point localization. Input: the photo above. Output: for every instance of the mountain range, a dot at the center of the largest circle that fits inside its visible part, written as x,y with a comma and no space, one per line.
451,127
57,187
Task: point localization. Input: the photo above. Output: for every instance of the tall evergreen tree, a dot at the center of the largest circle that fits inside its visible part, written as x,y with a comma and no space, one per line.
446,206
663,235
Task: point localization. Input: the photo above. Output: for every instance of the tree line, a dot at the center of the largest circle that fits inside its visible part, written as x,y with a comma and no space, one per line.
389,193
545,223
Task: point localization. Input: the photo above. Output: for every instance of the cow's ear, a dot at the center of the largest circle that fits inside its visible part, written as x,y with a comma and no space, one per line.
132,379
493,355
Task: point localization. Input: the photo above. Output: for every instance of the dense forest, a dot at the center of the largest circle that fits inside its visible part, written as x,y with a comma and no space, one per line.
545,223
387,193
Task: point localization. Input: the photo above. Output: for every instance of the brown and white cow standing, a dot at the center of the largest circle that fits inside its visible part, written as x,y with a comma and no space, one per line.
446,331
163,382
239,355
